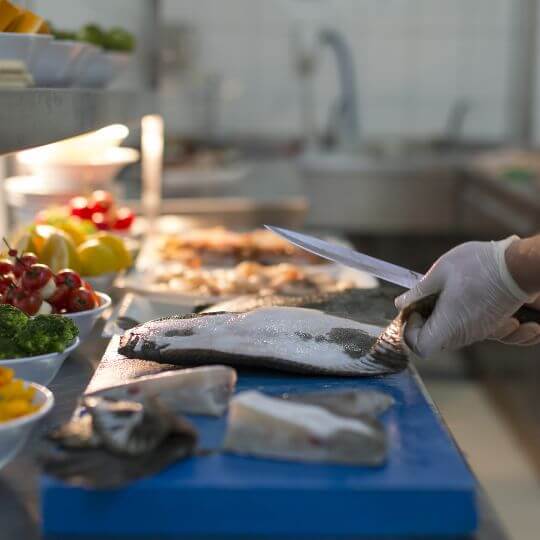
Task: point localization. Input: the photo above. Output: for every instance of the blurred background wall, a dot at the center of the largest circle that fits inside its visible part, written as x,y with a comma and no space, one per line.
414,60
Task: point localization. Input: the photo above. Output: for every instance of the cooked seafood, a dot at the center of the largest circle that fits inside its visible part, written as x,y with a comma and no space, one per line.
220,247
374,306
245,278
203,390
290,339
353,403
113,443
270,427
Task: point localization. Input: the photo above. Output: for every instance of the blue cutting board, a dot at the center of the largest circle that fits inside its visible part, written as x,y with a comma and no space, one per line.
425,488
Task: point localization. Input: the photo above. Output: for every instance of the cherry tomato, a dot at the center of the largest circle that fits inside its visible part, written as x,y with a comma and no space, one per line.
29,258
80,207
36,277
101,221
124,219
59,298
6,281
68,277
102,202
91,290
6,266
9,294
80,300
28,302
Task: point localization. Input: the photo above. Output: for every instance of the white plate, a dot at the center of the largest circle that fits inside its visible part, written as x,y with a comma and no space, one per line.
39,369
55,65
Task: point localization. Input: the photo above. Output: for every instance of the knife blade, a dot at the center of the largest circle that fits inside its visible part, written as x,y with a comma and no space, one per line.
376,267
348,257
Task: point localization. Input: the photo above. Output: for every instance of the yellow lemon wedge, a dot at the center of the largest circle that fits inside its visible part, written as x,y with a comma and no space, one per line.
59,252
118,247
97,258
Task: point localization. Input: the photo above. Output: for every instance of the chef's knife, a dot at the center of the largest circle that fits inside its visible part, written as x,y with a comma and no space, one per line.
376,267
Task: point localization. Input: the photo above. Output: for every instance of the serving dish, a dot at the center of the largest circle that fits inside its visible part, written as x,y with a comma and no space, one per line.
101,68
40,369
86,320
23,47
55,65
100,168
14,433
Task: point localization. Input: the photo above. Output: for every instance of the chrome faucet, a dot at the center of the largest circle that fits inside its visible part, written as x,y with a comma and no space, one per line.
343,122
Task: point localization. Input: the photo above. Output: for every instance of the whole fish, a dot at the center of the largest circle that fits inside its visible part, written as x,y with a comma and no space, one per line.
284,338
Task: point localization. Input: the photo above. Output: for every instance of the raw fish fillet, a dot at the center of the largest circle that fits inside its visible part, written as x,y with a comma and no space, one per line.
284,338
353,403
269,427
202,390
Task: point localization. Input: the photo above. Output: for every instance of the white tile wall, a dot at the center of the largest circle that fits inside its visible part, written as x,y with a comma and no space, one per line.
414,58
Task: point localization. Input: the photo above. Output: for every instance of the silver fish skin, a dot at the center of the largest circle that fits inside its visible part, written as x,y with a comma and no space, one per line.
269,427
284,338
204,390
352,403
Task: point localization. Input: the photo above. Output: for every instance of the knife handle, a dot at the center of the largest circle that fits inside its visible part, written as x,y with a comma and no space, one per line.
426,306
527,314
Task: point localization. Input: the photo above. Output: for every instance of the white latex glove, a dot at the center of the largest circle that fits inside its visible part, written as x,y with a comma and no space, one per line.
477,296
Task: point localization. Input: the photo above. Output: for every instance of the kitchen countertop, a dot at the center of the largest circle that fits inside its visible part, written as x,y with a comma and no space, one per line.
19,494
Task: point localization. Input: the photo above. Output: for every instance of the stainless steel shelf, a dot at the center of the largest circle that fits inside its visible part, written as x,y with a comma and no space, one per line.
34,116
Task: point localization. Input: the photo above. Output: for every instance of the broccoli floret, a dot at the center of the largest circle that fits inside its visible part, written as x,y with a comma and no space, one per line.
9,349
47,334
12,320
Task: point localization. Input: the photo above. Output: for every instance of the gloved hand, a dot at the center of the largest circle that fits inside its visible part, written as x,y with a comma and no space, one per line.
477,296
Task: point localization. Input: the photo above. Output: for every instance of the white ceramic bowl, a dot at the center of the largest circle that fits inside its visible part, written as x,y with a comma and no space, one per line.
23,47
55,65
14,433
86,58
27,195
86,320
101,169
101,69
40,369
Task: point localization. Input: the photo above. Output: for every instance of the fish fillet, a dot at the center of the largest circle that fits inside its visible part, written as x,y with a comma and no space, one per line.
265,426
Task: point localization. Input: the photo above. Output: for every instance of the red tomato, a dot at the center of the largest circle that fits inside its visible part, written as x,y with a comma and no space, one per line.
80,300
6,281
29,258
60,297
68,277
91,290
102,202
79,206
28,302
25,261
101,221
124,219
6,266
36,277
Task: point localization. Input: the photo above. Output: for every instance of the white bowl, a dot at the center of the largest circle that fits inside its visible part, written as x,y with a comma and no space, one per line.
40,369
55,65
101,69
23,47
14,433
27,195
101,169
86,58
86,320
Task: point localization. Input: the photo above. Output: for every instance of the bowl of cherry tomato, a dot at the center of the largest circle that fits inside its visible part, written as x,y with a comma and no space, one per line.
34,289
86,320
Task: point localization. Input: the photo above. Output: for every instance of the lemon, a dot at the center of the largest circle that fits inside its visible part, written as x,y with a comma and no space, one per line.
118,247
77,229
24,242
97,258
59,252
